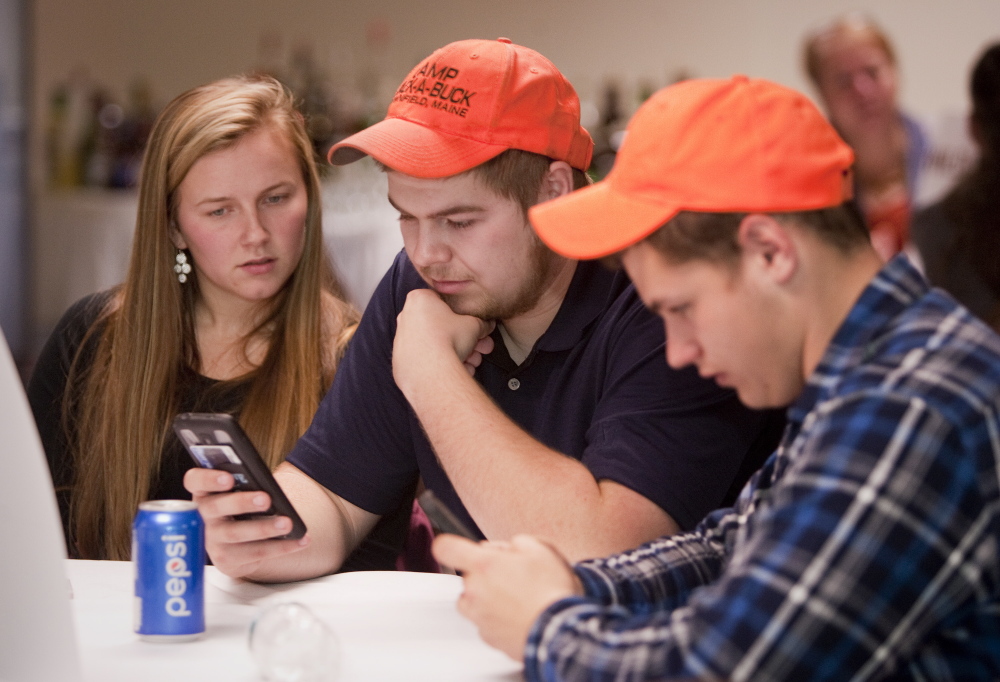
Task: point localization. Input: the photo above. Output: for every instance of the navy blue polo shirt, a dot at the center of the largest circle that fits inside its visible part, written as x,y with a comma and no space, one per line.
595,387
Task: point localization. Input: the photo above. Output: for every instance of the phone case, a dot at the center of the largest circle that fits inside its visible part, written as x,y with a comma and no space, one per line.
441,518
217,441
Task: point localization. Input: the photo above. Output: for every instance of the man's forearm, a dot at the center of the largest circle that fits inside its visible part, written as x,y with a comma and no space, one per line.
511,483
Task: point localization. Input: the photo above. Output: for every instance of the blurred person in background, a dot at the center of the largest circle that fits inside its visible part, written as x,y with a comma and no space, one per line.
229,304
958,238
852,64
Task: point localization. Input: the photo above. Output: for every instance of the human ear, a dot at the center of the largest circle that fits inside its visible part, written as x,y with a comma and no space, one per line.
176,237
558,180
767,244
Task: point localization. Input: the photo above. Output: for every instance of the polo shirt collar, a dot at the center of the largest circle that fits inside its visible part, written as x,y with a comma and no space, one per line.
896,286
586,299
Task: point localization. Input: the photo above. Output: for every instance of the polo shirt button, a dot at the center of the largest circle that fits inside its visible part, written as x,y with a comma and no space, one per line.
513,384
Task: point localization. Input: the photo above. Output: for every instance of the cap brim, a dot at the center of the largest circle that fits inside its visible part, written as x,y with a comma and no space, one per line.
595,221
413,149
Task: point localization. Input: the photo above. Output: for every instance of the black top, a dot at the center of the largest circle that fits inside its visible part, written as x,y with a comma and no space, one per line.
949,261
197,394
596,387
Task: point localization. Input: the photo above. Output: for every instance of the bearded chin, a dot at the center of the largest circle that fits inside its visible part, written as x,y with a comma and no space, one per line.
491,307
488,306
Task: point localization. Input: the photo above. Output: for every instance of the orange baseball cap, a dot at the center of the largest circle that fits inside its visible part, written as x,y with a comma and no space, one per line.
468,102
726,146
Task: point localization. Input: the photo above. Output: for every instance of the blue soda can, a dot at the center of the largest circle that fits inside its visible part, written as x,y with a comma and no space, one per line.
168,554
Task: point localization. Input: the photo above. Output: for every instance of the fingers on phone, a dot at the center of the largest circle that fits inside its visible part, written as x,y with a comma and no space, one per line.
232,532
242,559
261,551
199,481
220,507
238,547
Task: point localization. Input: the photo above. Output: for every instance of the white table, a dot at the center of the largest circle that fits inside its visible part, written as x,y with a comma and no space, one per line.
391,626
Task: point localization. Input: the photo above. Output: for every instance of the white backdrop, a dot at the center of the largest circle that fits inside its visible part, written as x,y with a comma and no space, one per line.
182,43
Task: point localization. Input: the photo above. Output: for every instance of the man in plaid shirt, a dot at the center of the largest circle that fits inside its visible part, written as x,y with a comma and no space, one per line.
868,547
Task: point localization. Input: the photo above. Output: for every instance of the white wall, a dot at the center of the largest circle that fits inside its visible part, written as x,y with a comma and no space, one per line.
181,43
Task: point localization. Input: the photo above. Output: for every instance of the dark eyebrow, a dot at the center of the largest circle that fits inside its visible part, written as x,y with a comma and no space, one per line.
212,200
279,185
215,200
467,208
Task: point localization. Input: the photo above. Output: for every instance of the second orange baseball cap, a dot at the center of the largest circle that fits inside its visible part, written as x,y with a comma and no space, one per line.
468,102
727,146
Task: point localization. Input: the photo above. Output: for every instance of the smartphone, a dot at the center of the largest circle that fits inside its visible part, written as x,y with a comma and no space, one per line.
217,441
442,519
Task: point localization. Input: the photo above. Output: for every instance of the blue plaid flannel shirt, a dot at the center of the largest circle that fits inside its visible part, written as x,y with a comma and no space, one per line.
866,548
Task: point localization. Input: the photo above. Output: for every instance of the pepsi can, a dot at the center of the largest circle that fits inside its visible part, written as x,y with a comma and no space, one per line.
168,555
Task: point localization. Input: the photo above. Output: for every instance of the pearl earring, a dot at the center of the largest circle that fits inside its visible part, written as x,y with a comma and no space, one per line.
183,268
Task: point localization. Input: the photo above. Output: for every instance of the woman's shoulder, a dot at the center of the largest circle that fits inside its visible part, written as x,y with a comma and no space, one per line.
90,306
75,334
82,315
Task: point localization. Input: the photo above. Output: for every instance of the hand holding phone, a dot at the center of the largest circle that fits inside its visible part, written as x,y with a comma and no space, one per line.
216,441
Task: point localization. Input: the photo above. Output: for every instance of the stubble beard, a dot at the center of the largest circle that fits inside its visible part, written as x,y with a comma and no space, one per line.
541,262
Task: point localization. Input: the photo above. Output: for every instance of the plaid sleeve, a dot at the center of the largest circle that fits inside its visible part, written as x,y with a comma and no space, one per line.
661,574
871,536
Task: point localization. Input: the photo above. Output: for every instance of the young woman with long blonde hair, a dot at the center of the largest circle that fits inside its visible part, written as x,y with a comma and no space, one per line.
229,304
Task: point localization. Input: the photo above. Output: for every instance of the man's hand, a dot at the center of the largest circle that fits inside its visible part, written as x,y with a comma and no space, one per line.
427,330
237,548
507,585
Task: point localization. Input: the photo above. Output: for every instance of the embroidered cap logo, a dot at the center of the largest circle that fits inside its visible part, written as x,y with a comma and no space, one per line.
468,102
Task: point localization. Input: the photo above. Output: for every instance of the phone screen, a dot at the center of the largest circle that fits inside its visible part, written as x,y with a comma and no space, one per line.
222,457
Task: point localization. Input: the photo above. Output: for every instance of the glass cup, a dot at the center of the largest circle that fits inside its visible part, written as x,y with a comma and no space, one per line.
290,644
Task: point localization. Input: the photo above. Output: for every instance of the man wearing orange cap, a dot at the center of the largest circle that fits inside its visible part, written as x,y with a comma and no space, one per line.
868,547
573,427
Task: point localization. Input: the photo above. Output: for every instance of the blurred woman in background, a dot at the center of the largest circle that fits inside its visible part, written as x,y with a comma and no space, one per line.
229,305
852,64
